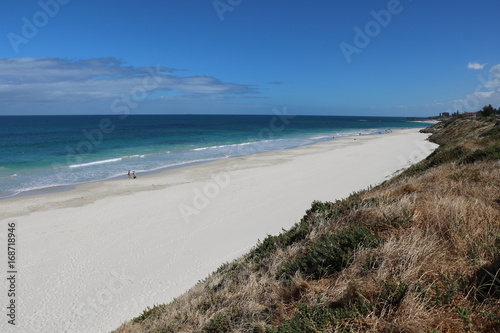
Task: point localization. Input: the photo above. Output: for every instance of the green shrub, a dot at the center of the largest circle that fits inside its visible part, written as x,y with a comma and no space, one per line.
151,313
320,207
438,157
490,153
319,318
301,229
330,254
449,289
229,268
444,155
464,314
264,248
392,293
341,207
218,324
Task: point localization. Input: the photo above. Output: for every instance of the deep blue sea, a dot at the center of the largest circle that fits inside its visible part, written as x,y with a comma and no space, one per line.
39,152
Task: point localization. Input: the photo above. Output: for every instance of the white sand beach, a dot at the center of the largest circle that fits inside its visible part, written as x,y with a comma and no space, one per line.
95,256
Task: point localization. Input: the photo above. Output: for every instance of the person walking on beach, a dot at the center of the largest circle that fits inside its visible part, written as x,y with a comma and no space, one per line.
129,174
133,175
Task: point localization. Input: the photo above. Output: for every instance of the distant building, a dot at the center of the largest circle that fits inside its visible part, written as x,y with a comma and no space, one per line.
444,114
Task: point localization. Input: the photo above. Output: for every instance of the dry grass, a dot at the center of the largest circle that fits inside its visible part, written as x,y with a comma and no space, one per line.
438,269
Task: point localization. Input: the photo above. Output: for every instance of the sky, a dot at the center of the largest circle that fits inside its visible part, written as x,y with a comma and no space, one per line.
408,58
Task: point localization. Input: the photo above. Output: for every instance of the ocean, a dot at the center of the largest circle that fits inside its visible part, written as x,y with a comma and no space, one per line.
39,152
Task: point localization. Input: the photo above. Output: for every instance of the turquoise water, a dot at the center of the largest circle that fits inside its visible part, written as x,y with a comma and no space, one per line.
39,152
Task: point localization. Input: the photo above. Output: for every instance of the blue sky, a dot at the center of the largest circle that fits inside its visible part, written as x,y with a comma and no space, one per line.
344,57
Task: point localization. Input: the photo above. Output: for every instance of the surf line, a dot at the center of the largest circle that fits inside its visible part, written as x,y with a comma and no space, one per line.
94,137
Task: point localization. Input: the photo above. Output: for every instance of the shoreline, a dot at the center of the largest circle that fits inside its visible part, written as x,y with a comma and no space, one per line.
98,255
70,187
57,189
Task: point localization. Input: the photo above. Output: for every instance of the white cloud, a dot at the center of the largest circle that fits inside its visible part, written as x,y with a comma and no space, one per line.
61,80
475,65
495,70
484,94
487,91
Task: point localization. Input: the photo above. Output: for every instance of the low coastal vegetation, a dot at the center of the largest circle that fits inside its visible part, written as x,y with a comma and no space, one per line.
418,253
